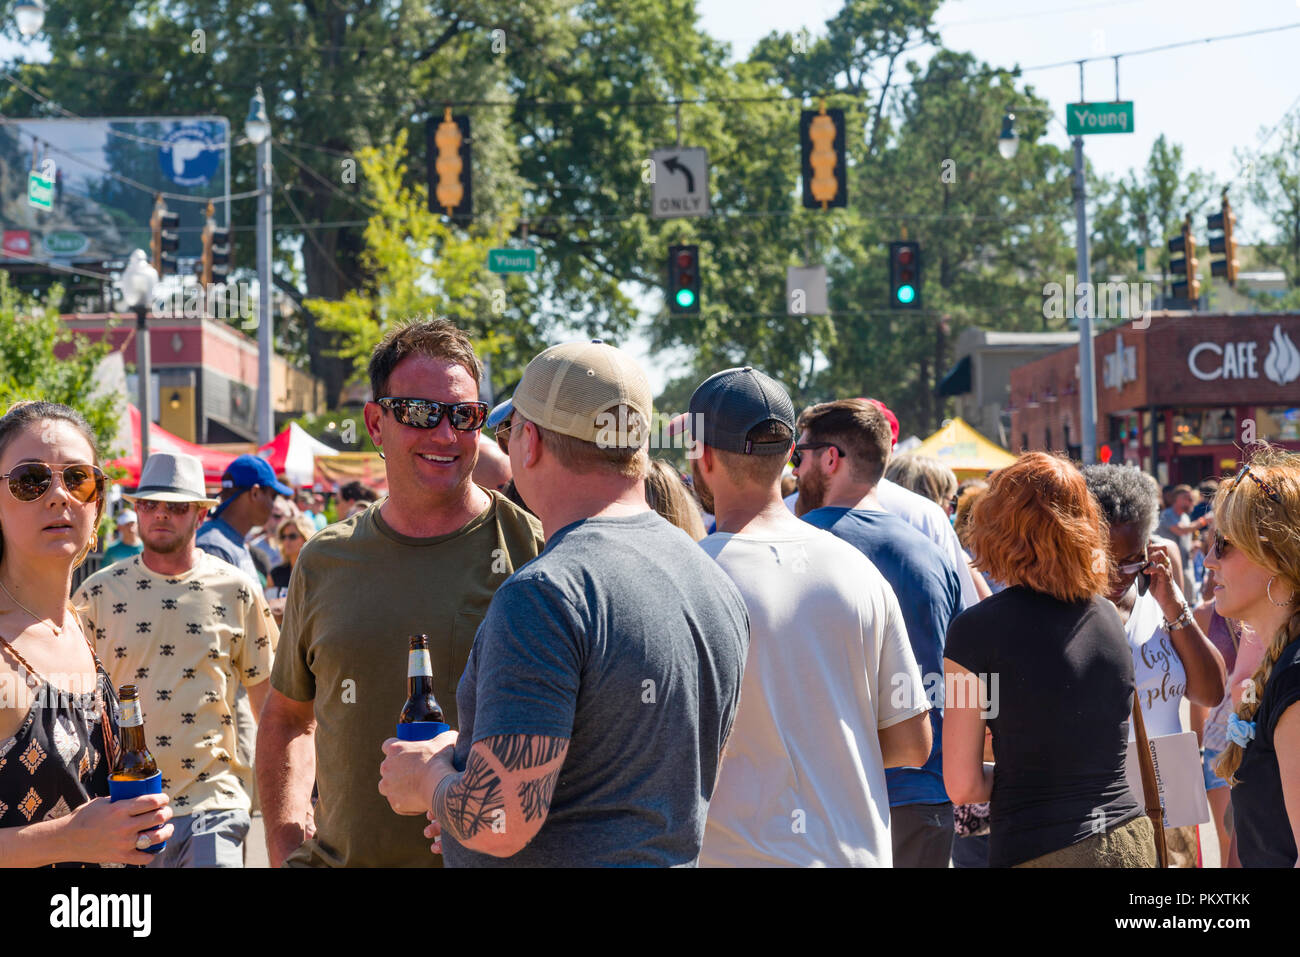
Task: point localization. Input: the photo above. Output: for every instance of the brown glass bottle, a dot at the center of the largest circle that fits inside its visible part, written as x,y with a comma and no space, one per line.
421,705
134,762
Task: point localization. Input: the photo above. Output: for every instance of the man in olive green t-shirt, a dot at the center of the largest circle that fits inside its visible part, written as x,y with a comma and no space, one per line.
425,560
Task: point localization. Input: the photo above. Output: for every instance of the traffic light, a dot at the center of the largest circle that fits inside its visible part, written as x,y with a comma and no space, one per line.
905,275
165,240
821,139
684,279
215,263
1224,245
1187,287
450,180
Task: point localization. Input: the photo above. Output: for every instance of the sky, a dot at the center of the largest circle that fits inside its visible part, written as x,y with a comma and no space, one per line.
1211,98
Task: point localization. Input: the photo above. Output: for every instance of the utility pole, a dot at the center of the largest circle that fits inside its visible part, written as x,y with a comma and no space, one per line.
1087,377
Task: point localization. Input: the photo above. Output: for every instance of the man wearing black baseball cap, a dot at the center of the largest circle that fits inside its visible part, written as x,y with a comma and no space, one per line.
831,687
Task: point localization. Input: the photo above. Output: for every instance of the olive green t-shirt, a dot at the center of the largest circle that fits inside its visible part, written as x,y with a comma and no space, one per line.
358,592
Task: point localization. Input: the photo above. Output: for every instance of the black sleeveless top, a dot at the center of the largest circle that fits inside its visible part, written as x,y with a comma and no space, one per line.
57,760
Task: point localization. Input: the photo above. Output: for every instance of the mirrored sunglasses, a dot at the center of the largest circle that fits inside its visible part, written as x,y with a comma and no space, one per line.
427,414
29,482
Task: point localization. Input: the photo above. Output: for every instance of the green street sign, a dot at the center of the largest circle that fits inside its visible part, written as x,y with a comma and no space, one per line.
40,191
1087,118
512,260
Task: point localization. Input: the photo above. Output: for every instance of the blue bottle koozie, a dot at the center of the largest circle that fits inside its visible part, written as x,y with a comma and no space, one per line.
122,790
421,730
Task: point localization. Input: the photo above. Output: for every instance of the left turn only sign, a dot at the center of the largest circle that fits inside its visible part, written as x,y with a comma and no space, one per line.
680,182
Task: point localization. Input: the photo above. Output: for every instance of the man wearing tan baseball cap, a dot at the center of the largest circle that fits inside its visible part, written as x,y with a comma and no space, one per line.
603,682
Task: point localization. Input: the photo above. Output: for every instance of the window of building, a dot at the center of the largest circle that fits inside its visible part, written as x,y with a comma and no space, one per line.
1277,424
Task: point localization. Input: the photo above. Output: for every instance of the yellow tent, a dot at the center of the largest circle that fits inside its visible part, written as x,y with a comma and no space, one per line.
964,450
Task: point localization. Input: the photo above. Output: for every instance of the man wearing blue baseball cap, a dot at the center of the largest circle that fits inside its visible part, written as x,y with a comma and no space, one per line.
248,491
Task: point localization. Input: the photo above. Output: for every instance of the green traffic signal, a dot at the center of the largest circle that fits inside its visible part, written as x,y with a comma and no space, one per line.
906,294
685,298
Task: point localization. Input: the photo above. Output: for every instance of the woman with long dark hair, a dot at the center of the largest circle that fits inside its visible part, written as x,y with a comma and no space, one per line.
57,720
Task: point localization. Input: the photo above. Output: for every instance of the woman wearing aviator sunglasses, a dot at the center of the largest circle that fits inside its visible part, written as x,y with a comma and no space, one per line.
1256,565
57,727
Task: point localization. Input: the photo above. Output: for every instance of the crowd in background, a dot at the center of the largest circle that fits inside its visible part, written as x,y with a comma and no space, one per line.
863,661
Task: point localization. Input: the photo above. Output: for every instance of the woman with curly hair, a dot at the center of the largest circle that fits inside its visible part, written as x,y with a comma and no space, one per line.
1256,565
1045,664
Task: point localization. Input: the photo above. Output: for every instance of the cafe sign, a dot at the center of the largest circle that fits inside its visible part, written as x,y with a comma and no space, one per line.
1240,360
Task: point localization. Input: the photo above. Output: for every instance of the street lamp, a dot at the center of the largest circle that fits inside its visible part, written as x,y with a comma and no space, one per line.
139,280
30,16
1009,140
258,129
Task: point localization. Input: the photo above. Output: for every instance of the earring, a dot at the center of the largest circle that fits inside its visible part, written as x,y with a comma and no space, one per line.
1269,591
381,455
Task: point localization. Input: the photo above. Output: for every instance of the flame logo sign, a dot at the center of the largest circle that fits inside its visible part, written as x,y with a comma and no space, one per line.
1283,362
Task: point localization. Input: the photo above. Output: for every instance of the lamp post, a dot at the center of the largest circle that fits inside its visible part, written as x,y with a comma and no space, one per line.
1008,143
29,16
258,129
139,280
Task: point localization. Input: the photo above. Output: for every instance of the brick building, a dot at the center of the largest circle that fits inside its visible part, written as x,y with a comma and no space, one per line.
1196,388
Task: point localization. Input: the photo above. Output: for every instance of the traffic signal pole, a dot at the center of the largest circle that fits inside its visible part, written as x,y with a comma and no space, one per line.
1087,378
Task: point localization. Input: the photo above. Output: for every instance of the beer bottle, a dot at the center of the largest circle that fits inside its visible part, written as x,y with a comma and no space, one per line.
421,717
134,761
135,772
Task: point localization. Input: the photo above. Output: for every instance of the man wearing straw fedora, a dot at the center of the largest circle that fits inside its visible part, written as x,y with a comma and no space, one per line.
189,629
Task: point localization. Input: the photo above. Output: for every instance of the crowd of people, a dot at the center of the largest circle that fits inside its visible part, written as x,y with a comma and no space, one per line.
809,650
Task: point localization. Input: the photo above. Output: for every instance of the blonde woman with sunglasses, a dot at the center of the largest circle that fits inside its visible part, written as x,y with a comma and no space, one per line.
57,719
1256,565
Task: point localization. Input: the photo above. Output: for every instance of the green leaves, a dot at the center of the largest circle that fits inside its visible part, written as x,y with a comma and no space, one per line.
43,360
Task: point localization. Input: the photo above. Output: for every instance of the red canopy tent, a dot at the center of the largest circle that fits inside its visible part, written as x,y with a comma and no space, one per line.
160,440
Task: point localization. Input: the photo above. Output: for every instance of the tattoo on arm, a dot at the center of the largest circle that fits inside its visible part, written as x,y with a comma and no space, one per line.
471,801
506,776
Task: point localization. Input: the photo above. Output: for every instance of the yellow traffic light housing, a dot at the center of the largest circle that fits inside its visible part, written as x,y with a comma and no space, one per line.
450,181
1187,287
821,137
1224,245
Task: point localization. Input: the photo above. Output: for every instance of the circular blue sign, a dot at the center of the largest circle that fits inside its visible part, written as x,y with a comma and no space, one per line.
191,155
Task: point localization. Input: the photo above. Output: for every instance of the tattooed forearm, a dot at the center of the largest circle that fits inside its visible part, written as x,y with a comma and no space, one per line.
501,800
472,800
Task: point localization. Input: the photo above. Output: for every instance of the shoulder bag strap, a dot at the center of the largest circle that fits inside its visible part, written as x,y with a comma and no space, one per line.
1150,793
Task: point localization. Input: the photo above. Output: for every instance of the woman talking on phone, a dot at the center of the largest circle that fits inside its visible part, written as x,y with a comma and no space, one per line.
1172,657
57,726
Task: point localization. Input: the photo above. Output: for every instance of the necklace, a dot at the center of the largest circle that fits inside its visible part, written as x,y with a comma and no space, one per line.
58,632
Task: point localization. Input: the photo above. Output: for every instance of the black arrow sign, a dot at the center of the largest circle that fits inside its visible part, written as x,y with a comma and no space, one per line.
673,166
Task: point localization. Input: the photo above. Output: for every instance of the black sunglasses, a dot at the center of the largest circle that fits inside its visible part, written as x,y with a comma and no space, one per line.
1247,473
149,506
427,414
796,457
1221,545
29,482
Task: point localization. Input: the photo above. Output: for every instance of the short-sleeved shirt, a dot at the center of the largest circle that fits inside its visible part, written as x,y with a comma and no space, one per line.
929,595
829,667
1060,692
118,551
218,538
359,590
626,639
1264,834
1178,527
188,642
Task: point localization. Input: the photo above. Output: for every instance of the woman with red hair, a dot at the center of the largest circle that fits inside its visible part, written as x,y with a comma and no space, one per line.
1045,664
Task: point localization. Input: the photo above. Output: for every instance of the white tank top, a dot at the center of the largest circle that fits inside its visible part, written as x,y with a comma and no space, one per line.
1161,679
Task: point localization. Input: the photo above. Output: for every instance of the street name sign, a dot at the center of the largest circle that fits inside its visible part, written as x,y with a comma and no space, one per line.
512,260
40,191
680,182
1088,118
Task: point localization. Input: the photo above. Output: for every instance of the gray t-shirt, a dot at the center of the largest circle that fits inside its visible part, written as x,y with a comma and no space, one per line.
624,637
1173,525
